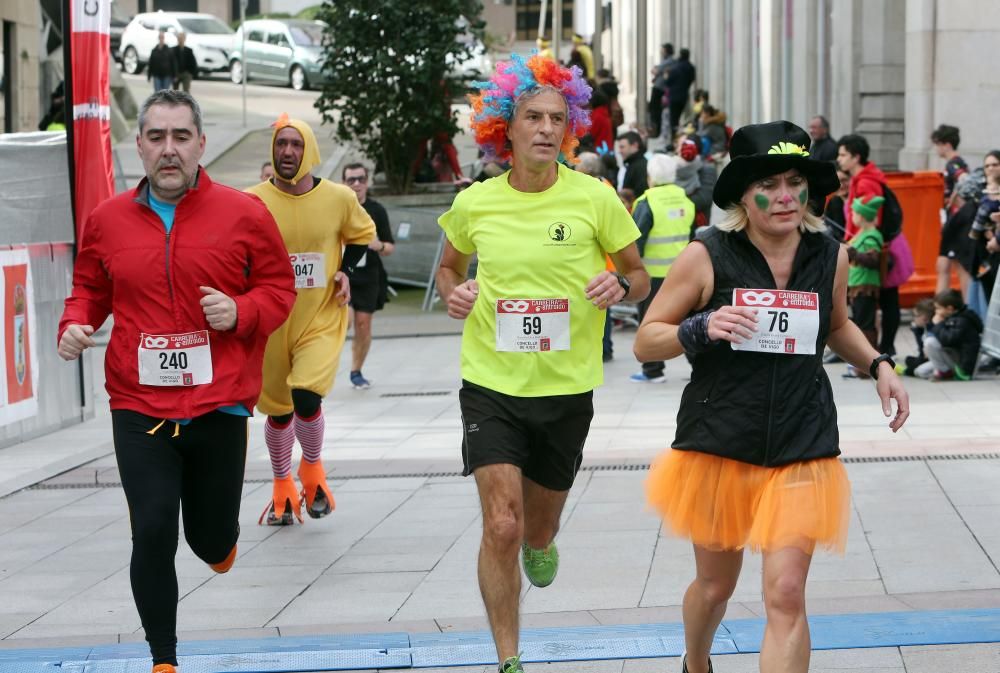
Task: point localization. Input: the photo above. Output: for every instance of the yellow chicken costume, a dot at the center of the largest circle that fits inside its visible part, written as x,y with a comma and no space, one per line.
301,356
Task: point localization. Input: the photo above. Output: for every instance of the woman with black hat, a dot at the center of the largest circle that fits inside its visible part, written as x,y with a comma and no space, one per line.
754,462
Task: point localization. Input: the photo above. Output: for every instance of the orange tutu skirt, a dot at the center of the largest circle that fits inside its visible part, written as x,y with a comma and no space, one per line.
723,504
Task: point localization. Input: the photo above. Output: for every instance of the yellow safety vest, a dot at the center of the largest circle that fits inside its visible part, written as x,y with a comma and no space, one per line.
673,214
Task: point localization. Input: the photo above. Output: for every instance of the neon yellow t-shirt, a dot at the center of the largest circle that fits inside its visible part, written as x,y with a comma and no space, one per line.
544,245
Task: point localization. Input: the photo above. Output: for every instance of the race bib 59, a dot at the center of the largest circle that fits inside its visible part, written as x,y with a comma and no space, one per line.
532,325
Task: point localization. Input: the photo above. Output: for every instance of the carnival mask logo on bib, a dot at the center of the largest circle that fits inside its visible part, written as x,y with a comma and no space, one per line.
156,342
559,232
759,298
515,306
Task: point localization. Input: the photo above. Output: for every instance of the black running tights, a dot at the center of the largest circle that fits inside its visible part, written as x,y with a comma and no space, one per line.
199,471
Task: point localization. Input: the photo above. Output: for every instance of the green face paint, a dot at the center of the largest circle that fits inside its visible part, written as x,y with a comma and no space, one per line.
804,196
762,201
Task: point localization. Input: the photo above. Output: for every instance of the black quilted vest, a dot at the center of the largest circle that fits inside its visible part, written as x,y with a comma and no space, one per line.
762,408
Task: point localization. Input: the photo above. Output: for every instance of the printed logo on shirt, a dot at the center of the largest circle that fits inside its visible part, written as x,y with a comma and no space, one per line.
560,233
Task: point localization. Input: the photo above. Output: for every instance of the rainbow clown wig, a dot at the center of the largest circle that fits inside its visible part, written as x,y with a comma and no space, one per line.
493,107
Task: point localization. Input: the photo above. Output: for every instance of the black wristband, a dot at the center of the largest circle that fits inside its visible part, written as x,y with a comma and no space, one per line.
693,333
873,369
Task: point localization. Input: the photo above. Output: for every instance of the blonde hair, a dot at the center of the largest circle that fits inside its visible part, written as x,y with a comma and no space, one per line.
737,218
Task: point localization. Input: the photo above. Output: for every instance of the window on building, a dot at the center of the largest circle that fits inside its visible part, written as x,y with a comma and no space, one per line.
528,12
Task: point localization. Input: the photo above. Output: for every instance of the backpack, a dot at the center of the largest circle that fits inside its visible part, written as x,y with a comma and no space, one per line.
892,215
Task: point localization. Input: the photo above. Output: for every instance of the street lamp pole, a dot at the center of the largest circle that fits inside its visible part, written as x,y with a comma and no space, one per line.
243,55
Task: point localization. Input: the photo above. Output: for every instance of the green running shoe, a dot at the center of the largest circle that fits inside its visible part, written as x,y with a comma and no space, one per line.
540,565
511,665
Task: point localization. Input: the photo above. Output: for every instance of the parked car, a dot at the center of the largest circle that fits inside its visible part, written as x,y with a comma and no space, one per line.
288,51
207,35
119,21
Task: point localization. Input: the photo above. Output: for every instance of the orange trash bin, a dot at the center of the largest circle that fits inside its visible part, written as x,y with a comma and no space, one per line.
920,195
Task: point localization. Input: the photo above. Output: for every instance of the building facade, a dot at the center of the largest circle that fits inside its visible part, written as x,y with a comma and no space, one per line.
20,27
891,70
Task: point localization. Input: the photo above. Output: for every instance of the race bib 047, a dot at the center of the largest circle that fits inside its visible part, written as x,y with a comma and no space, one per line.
309,268
787,321
532,325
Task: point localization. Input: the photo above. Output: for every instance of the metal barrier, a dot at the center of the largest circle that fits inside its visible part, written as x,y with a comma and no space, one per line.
418,236
991,327
35,214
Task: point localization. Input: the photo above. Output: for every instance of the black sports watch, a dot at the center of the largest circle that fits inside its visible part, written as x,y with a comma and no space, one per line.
873,370
623,281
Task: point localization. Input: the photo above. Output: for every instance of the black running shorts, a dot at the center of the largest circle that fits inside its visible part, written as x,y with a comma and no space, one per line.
368,296
543,436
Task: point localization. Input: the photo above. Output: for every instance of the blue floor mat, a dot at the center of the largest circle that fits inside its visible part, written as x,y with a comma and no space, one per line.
428,650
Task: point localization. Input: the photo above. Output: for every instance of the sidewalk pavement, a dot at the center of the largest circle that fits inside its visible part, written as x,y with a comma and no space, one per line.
399,553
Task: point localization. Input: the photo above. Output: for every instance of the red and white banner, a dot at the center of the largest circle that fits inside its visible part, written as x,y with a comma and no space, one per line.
89,94
19,379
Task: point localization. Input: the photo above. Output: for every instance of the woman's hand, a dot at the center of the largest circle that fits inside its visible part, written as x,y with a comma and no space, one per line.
733,324
890,387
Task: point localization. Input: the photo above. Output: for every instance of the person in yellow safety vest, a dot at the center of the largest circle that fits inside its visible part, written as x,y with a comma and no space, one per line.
664,215
544,49
586,55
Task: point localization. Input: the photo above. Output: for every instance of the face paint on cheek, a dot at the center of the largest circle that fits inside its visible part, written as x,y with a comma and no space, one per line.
762,201
804,196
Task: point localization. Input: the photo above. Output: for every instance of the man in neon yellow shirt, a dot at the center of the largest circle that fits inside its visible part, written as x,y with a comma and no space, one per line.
531,347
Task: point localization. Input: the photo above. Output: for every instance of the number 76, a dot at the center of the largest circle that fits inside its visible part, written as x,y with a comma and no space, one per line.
780,318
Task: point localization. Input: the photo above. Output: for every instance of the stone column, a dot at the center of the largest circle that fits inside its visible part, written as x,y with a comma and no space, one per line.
880,79
770,60
739,63
715,54
805,45
920,85
846,51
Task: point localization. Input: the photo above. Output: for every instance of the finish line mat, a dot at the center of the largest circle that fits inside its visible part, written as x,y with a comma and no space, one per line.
345,652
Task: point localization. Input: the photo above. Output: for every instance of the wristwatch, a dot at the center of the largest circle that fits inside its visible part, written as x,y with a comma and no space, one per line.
873,370
623,281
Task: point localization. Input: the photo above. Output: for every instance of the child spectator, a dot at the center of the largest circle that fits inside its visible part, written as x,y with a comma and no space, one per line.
712,131
945,139
951,342
864,254
864,278
923,312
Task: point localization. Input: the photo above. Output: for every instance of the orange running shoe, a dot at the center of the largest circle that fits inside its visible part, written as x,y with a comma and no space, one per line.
284,503
164,668
227,563
319,499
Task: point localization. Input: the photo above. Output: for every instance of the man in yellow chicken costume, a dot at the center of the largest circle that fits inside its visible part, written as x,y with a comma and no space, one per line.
317,219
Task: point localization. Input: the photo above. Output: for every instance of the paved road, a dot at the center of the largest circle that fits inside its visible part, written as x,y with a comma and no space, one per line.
399,552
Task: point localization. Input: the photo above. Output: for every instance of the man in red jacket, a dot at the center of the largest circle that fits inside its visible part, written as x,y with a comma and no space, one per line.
197,277
866,178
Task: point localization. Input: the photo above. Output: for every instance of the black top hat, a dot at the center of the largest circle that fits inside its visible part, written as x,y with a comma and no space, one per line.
760,150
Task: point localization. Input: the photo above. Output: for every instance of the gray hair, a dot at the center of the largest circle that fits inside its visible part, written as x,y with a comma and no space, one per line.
590,163
531,93
661,170
172,98
737,218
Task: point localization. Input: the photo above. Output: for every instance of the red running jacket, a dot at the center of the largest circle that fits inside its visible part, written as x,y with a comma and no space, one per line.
149,280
